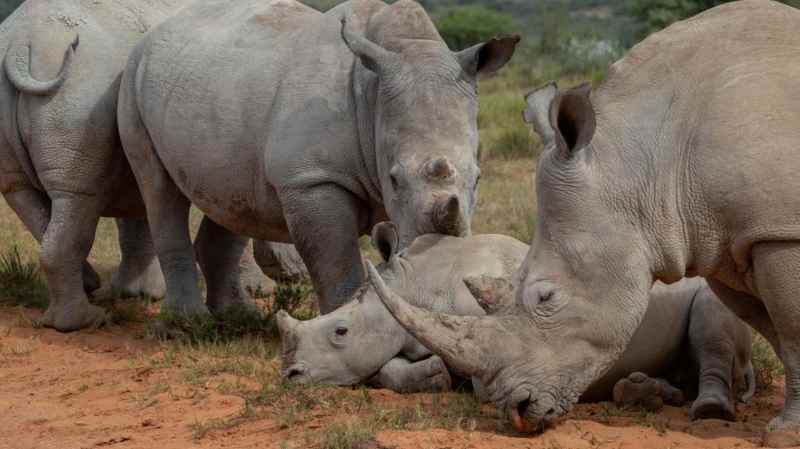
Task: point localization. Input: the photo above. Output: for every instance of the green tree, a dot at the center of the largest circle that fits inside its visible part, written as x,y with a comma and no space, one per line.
7,7
463,26
658,14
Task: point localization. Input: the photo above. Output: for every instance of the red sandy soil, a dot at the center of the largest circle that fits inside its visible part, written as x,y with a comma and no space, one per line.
85,390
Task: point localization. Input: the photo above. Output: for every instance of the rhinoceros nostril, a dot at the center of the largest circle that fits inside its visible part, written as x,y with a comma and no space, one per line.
522,406
294,373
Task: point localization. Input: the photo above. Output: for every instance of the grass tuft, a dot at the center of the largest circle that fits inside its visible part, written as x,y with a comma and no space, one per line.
766,364
351,434
20,281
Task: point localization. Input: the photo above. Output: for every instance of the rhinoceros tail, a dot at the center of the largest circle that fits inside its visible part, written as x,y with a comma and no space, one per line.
750,380
17,66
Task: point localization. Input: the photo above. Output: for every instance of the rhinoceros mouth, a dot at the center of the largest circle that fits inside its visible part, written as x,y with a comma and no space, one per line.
532,410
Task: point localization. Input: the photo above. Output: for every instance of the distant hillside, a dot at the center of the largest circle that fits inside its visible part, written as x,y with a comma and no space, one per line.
603,19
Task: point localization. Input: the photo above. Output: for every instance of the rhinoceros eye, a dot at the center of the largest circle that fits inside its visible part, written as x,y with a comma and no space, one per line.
341,331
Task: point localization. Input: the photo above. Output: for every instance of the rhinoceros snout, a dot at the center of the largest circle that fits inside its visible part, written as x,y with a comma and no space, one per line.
447,216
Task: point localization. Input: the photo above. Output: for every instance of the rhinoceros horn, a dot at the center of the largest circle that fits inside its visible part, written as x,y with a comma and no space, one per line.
450,337
447,216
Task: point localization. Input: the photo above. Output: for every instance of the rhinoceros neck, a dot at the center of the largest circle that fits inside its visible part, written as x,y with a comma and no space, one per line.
641,146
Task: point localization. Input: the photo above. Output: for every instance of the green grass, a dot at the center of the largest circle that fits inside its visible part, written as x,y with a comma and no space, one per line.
766,365
20,281
347,435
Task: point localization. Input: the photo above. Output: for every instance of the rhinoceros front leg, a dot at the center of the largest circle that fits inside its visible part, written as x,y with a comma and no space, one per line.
219,252
324,226
403,376
65,245
720,347
139,273
776,268
33,208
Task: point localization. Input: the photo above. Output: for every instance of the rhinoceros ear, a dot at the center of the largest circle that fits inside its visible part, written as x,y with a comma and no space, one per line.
572,119
374,57
493,294
386,239
537,111
488,57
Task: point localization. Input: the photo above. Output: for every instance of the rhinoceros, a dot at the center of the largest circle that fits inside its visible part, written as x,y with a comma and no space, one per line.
686,337
61,164
683,162
286,124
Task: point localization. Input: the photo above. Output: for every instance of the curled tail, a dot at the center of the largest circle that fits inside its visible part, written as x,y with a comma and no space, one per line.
750,380
17,65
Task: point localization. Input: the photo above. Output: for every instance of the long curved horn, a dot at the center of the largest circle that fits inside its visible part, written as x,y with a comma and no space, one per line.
448,336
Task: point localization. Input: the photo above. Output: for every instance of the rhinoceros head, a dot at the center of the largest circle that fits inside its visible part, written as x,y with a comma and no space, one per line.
580,293
424,115
350,344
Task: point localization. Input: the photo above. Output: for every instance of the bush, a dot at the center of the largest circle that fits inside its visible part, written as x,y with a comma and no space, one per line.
464,26
658,14
20,281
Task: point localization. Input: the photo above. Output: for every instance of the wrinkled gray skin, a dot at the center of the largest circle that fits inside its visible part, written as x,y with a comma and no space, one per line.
61,166
280,261
682,163
687,338
284,124
61,163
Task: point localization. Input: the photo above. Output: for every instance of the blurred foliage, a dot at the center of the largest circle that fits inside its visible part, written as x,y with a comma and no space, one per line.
7,7
465,26
657,14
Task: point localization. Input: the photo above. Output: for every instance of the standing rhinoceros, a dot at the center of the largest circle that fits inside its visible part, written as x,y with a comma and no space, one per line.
61,164
684,162
687,336
286,124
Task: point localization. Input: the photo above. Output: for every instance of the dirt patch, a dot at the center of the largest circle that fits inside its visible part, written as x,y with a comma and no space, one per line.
113,388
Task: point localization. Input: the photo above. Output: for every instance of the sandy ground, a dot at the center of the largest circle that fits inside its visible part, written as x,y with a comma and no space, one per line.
92,390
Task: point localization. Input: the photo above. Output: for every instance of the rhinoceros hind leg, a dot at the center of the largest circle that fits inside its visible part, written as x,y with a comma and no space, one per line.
33,208
219,252
403,376
167,210
139,273
65,245
253,279
648,392
776,266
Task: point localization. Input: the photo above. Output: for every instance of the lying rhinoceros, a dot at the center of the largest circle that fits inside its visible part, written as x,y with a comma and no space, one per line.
61,164
684,162
687,336
286,124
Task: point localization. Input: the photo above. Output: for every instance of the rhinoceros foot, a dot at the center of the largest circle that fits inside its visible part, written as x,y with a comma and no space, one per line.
782,432
641,390
72,316
712,406
134,282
